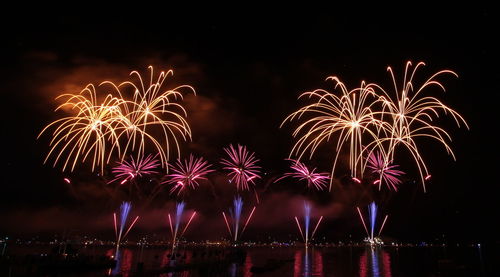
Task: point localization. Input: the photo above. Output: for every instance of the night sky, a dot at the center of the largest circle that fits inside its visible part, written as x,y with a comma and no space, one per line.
248,70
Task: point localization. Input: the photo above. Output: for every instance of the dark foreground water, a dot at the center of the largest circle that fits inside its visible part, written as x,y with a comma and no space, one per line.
257,261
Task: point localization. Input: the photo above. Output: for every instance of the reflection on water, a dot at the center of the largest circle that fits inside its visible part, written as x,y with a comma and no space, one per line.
369,263
118,260
233,269
303,266
247,267
270,261
123,263
170,260
242,267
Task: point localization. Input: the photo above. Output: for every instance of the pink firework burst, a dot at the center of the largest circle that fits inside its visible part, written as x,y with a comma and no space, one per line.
302,172
187,173
387,172
242,166
128,170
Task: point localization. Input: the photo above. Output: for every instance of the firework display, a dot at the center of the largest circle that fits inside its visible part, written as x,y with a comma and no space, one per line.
101,127
386,172
306,234
121,223
187,174
349,115
129,170
175,223
140,124
241,165
301,172
87,133
412,115
152,115
369,118
233,226
372,220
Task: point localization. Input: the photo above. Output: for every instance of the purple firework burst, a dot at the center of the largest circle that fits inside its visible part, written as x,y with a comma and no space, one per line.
242,166
387,172
187,173
128,170
302,172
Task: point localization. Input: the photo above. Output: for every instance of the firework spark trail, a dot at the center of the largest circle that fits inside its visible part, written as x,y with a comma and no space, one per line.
236,214
179,209
256,196
372,219
124,211
387,172
316,228
114,221
187,173
307,222
187,224
372,212
300,228
171,225
175,224
125,208
383,224
248,220
227,224
241,165
302,172
363,221
131,225
307,219
412,115
233,227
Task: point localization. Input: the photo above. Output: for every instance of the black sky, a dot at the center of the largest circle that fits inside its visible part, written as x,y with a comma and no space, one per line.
248,68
